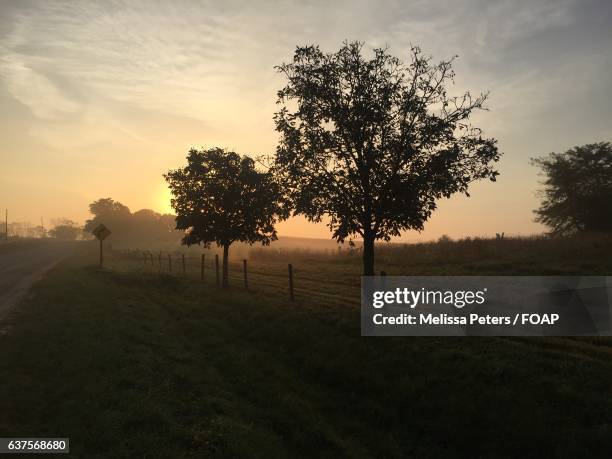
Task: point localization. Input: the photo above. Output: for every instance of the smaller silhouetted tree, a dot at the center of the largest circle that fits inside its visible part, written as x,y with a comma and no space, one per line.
220,197
577,194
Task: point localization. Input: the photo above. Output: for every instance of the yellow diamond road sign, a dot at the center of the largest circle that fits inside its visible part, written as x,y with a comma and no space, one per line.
101,232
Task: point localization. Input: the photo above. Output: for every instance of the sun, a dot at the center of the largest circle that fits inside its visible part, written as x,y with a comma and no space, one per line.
164,201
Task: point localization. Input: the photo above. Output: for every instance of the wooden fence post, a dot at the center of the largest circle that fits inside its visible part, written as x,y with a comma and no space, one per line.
217,266
202,268
244,268
169,263
291,297
184,271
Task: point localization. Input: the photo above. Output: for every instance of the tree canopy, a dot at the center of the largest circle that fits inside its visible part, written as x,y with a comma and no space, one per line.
577,193
372,143
108,206
220,197
65,229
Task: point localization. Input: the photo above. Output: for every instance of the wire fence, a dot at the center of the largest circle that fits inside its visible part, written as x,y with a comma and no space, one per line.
315,283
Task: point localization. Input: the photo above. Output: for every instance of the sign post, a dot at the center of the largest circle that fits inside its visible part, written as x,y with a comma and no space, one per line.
101,232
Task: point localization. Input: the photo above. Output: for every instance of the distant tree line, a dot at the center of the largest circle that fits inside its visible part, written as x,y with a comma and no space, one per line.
23,229
66,230
61,228
132,229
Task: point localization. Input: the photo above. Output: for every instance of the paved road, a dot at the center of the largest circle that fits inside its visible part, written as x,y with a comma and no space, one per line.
22,265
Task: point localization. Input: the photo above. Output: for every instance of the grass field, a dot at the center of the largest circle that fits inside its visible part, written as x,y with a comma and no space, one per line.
131,363
326,279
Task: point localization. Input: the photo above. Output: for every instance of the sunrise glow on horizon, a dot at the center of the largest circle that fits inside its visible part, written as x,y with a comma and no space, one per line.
100,103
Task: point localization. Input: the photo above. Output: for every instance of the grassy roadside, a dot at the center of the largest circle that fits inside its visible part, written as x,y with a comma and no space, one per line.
136,365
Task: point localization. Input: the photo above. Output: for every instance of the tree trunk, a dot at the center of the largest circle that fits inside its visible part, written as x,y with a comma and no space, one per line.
368,254
225,281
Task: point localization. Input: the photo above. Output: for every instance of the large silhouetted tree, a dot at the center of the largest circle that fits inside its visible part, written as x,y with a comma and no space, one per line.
220,197
372,143
577,194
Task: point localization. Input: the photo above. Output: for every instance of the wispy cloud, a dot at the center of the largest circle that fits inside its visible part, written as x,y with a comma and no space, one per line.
34,89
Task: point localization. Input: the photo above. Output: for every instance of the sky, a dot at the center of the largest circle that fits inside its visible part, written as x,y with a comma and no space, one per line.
98,99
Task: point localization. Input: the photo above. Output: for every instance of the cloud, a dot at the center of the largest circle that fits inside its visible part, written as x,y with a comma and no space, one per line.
209,60
33,89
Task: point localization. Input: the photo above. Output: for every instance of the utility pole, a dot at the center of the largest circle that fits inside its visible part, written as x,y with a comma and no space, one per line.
6,226
42,225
